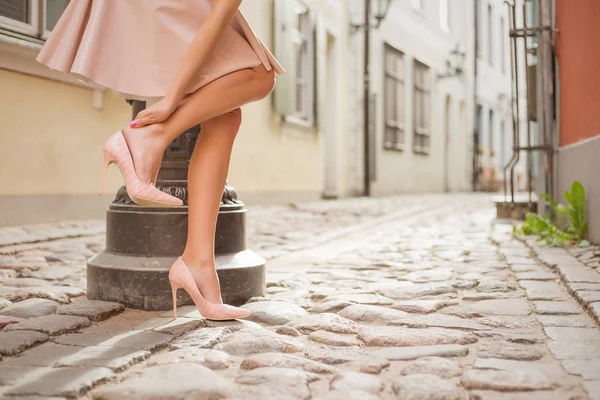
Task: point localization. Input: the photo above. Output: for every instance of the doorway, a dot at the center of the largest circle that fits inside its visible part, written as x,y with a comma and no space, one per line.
330,124
447,127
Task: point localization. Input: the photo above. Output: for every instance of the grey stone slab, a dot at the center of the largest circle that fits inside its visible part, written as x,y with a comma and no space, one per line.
371,314
334,355
518,380
274,383
578,273
67,382
330,306
553,371
587,297
574,321
333,339
252,340
362,298
442,367
396,336
81,339
51,324
567,349
13,343
142,340
209,358
274,312
411,353
4,320
93,310
178,381
438,320
588,369
557,307
595,310
501,307
10,375
45,355
593,389
201,338
115,358
591,287
573,334
538,290
536,276
510,351
286,361
422,386
555,394
324,322
177,327
423,306
30,308
356,381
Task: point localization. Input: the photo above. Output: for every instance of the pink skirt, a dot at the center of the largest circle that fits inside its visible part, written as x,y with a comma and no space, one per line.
134,47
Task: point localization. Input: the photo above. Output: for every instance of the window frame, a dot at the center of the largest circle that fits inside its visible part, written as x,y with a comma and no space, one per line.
30,29
445,15
399,88
490,34
37,29
421,93
304,79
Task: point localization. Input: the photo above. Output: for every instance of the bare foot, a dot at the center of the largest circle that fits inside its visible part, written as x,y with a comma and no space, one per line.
147,149
207,281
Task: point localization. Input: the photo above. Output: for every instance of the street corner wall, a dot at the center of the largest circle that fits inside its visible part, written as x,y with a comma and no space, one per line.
578,53
51,140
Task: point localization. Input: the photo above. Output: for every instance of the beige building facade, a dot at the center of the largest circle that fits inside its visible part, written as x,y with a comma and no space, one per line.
291,147
304,142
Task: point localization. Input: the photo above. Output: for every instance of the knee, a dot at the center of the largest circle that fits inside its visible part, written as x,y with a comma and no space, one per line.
265,82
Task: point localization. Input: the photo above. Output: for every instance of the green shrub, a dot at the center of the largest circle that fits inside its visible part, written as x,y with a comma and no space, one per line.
568,227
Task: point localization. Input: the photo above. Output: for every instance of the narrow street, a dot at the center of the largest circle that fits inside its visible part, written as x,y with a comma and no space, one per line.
408,297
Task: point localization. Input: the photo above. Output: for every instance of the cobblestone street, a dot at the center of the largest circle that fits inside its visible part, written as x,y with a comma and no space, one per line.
411,297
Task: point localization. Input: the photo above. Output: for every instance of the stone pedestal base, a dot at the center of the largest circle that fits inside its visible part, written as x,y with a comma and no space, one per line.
142,243
143,283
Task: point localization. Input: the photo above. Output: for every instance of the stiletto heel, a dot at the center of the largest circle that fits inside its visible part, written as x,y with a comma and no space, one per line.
108,159
181,277
174,292
116,151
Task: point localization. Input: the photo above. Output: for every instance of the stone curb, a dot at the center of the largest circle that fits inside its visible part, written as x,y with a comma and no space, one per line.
582,282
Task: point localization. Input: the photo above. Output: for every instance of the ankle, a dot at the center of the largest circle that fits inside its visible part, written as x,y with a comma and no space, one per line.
198,263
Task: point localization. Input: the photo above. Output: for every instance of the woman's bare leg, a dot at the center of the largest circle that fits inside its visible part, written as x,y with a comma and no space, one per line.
225,94
206,179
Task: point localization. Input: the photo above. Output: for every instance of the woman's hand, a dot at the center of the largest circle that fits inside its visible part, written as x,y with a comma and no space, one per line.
154,114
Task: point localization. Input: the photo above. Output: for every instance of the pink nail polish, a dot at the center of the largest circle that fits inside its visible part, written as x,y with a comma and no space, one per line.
133,124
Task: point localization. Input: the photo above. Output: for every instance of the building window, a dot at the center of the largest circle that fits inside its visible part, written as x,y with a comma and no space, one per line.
490,34
480,27
394,99
418,5
31,17
503,35
295,92
304,103
445,15
492,149
422,110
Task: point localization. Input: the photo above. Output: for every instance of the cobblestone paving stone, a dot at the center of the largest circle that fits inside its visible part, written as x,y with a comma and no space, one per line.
393,298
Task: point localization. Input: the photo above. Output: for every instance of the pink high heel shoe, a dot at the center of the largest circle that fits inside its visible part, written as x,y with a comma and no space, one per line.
181,277
143,194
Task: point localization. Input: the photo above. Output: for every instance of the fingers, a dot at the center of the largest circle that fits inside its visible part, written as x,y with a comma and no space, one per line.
142,119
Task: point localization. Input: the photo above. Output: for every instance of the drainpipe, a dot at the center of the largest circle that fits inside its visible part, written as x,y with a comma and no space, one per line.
475,131
367,98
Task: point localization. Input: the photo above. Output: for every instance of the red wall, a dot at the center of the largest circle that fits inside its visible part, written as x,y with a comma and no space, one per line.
578,52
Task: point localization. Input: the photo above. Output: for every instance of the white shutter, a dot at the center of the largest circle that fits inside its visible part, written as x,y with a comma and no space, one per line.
285,52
